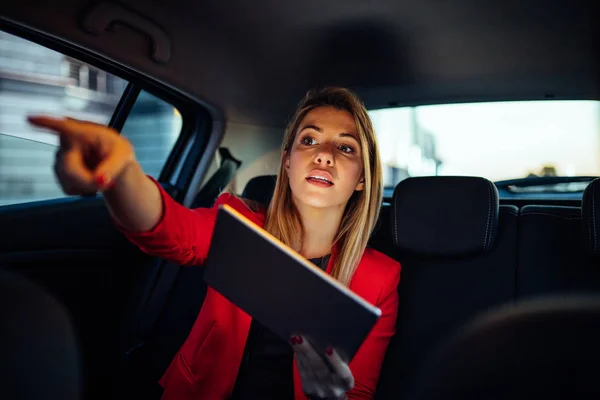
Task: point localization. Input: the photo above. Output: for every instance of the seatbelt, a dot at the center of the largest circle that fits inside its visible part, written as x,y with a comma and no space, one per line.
167,272
207,196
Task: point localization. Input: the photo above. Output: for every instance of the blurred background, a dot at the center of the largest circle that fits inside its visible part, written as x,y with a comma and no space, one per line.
34,79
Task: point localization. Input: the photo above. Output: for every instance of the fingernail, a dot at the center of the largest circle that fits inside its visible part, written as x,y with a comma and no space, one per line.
293,340
101,180
299,339
329,351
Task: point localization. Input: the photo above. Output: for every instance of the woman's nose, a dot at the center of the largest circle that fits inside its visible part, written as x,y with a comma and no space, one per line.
324,160
324,156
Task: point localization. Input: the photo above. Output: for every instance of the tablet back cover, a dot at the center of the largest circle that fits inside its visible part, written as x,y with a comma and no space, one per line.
282,290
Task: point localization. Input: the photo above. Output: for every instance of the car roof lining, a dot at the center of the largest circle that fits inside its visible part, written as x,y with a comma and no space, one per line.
255,60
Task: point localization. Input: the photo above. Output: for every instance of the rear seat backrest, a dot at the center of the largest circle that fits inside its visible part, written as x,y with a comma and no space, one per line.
557,247
558,261
457,248
590,210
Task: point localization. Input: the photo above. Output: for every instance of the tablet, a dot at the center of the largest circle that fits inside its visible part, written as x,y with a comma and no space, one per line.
282,290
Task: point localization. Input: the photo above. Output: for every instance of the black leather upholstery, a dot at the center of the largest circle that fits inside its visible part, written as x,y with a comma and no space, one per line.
552,255
39,353
440,290
590,210
260,189
382,238
544,349
445,215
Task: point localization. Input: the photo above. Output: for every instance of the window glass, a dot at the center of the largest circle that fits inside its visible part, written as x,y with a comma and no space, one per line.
153,126
499,140
37,80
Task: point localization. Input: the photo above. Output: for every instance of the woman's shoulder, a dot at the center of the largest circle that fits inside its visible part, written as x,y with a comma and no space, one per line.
378,266
376,276
377,258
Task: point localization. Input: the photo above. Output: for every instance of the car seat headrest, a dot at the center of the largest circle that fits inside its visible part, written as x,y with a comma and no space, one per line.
260,189
447,216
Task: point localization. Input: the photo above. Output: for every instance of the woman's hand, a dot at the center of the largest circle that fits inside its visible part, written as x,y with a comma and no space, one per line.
90,157
321,379
94,158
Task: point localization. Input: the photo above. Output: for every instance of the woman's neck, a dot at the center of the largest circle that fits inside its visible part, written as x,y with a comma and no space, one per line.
320,229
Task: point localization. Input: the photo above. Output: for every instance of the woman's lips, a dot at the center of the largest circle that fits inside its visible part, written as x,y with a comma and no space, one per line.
319,181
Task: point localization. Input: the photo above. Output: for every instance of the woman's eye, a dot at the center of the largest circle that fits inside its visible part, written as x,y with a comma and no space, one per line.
346,149
308,141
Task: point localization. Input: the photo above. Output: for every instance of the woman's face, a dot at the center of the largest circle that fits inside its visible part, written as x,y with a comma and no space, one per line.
325,164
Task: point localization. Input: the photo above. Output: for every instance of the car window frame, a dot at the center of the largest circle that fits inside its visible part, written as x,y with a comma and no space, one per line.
202,124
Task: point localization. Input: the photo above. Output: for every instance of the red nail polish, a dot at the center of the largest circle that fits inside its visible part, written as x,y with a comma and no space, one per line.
299,339
293,340
329,351
101,180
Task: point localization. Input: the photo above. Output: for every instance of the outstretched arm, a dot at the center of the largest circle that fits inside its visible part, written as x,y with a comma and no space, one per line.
94,158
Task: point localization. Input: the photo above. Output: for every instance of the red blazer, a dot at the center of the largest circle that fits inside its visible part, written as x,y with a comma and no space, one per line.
206,366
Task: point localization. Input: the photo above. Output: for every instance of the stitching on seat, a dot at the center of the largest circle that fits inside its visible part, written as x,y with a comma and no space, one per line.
569,217
589,218
395,220
487,224
590,237
594,215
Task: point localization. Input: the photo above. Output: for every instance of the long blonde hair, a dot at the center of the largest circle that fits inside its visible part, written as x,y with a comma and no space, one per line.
282,219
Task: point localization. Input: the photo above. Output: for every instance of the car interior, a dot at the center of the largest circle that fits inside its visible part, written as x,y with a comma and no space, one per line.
203,91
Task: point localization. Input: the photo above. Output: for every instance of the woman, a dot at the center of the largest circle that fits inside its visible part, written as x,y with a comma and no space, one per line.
325,206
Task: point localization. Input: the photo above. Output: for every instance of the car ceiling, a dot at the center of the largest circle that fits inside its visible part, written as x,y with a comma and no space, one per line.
254,59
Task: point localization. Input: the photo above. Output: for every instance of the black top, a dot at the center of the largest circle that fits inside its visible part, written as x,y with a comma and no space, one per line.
266,370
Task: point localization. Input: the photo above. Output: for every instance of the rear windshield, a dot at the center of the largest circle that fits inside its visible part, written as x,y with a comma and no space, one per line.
499,141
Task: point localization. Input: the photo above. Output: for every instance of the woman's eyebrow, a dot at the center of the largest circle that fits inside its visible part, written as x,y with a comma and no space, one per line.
314,127
349,135
342,135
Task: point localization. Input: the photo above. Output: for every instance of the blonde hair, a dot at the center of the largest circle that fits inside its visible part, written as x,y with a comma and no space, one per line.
282,219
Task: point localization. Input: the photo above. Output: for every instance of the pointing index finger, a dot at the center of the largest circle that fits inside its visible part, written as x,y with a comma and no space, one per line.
66,127
57,125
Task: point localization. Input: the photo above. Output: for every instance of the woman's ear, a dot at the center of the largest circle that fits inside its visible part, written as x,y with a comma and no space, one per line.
360,186
286,160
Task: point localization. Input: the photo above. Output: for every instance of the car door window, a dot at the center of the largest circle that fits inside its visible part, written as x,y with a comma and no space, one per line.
152,126
37,80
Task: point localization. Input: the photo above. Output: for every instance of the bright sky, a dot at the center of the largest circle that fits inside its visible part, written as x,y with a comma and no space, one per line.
500,140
